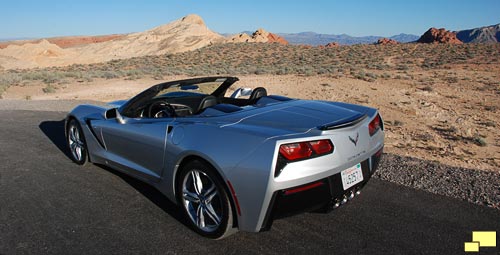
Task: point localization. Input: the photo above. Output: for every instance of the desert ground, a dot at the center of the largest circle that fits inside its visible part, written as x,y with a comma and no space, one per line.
450,124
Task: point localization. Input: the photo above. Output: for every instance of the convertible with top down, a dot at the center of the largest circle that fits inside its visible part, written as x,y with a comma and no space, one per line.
232,158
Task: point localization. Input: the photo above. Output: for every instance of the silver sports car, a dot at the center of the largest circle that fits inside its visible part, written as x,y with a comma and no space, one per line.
232,158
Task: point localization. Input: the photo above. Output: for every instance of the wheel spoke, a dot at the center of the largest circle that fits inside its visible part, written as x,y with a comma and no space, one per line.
197,183
210,194
190,196
200,218
78,152
73,146
77,135
212,214
72,134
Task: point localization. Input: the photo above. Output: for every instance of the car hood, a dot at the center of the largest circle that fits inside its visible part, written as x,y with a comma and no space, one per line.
301,116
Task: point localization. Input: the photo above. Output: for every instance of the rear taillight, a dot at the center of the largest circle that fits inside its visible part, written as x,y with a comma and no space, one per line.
294,151
304,150
375,125
322,146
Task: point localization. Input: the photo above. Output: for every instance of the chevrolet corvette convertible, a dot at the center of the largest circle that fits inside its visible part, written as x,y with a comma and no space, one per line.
232,158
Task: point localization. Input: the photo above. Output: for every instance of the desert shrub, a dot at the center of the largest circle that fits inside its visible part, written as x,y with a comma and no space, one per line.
479,141
51,78
49,89
110,75
7,80
428,89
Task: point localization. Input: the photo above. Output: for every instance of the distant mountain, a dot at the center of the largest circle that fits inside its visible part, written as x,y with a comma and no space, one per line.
489,34
311,38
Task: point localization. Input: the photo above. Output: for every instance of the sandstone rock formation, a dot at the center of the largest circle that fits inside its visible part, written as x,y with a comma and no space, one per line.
386,41
72,41
188,33
434,35
260,35
30,55
329,45
274,38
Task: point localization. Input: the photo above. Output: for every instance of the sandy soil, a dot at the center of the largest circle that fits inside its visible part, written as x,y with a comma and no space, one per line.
454,125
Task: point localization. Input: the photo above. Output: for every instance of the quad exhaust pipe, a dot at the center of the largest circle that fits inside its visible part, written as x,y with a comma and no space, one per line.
336,203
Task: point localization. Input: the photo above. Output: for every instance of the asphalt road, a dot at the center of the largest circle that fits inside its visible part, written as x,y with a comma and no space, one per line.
49,205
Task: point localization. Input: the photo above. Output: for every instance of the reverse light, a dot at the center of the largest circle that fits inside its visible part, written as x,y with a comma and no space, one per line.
375,125
304,150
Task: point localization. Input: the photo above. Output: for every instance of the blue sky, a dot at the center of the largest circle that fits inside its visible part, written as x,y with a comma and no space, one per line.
33,19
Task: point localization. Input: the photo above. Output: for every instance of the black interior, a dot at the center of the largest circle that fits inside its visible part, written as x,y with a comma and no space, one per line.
197,103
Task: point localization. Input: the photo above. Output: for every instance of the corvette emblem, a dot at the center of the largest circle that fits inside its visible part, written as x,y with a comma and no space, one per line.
354,140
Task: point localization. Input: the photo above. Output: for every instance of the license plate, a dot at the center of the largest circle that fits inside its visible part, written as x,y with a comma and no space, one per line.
351,176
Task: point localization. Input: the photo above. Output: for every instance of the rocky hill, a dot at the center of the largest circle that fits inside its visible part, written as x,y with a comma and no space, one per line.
186,34
489,34
434,35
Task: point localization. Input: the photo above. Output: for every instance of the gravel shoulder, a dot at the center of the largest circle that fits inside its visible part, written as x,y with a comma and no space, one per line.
475,186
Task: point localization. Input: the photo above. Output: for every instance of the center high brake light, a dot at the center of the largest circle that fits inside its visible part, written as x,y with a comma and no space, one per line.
304,150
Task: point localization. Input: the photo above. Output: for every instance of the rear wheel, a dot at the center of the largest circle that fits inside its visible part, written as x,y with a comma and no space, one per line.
76,142
204,201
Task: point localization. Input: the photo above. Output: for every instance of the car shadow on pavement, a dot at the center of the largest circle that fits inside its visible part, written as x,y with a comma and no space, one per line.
152,194
54,130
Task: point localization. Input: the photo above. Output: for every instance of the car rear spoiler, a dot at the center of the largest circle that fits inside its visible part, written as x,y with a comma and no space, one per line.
346,122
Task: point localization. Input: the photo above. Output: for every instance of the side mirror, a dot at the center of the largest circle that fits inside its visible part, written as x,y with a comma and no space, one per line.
114,114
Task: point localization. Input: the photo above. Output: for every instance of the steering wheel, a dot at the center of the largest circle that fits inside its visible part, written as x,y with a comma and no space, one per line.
160,109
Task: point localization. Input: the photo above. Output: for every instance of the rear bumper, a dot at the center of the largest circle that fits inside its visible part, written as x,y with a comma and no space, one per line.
326,193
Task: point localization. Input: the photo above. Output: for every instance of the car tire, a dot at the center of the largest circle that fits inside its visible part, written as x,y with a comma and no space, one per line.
76,142
204,200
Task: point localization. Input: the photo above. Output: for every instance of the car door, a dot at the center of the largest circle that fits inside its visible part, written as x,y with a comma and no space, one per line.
137,145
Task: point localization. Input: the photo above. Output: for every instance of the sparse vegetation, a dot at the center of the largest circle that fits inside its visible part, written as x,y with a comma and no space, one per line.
364,62
435,97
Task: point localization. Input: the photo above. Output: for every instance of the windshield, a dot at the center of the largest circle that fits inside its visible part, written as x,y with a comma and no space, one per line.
196,87
182,90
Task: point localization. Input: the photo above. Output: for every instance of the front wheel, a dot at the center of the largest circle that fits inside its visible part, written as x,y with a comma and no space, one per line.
76,142
204,201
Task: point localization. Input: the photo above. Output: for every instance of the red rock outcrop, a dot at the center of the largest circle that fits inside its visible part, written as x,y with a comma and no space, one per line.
70,41
67,41
386,41
434,35
329,45
274,38
260,35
